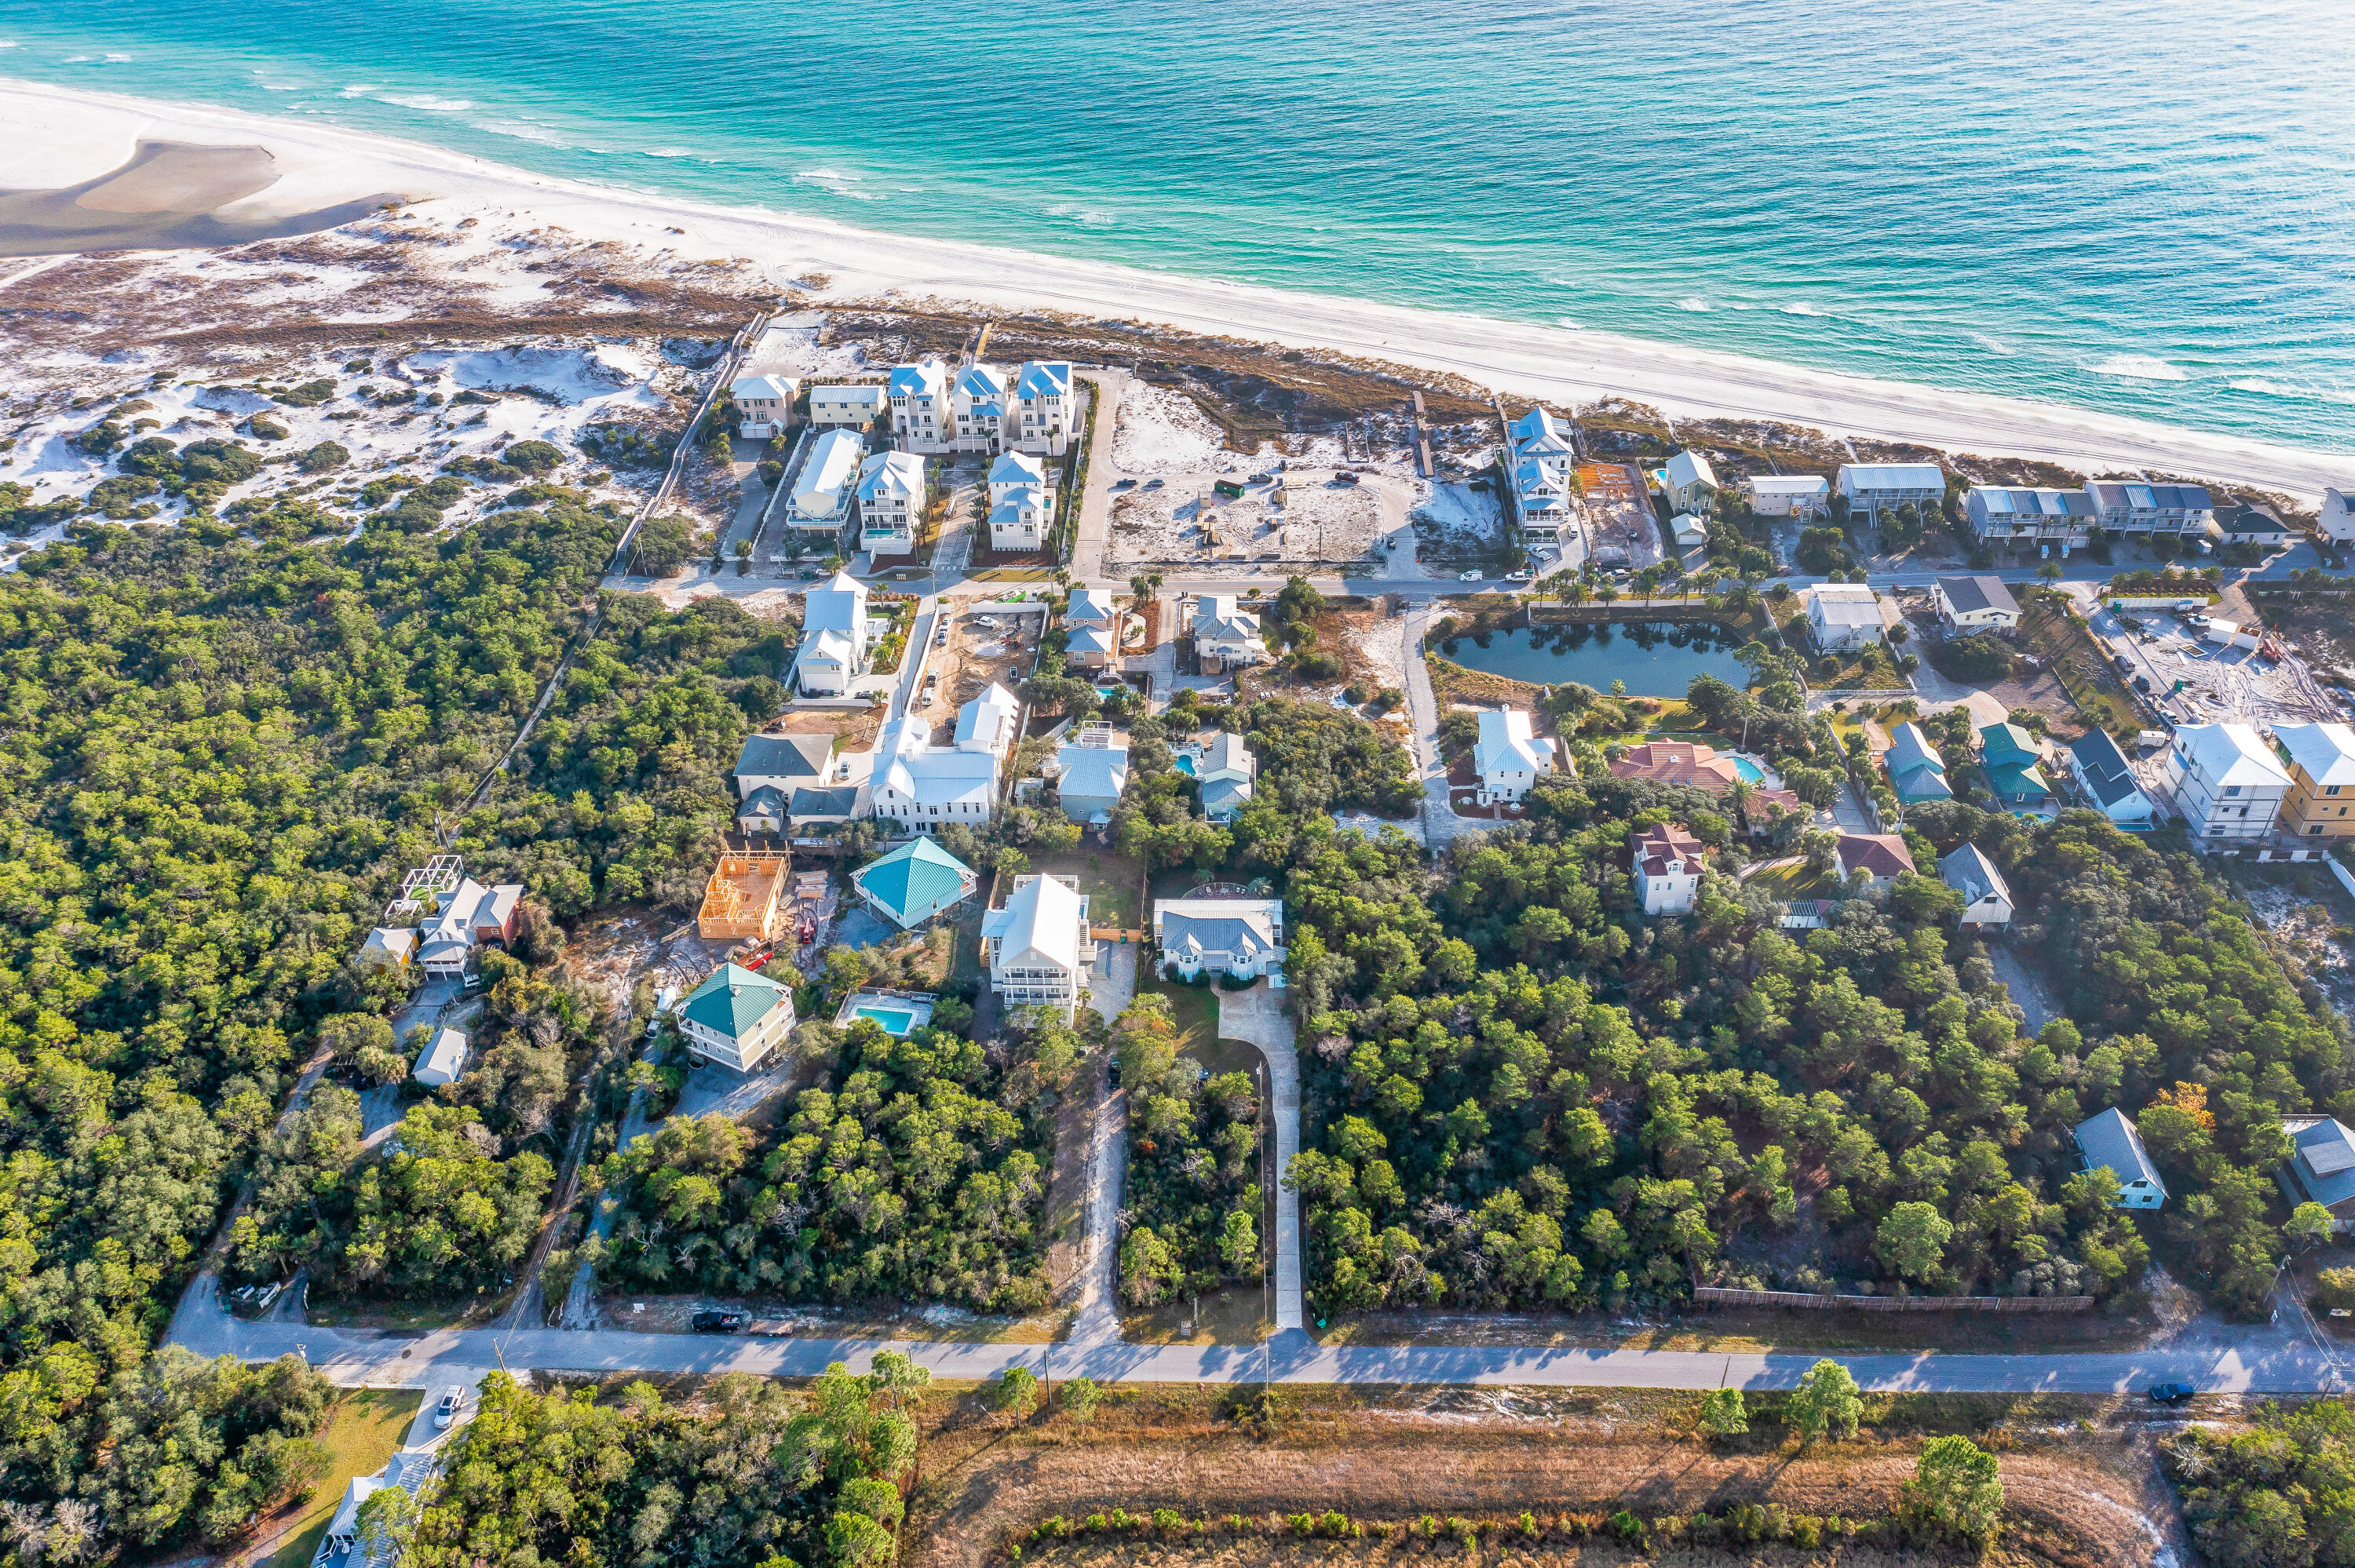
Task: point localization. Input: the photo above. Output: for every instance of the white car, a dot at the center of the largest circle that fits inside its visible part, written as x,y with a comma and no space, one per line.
453,1397
1469,578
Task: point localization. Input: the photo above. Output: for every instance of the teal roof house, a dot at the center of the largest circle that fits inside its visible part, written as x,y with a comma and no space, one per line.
914,883
737,1018
1916,769
2008,758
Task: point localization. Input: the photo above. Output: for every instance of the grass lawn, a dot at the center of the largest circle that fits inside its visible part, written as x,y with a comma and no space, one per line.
1195,1013
1110,882
1789,883
364,1429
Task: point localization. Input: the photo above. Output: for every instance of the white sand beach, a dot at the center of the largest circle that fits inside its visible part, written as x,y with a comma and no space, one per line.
52,137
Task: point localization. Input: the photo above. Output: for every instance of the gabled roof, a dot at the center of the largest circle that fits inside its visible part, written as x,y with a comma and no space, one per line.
1090,604
2325,1162
1881,854
1505,742
2110,1141
1243,929
981,381
831,463
2326,751
1216,619
1972,875
1042,917
1534,434
1228,753
1977,593
2111,495
1691,467
1844,604
2230,753
1092,771
917,876
1017,467
1225,796
840,801
1087,639
2104,767
1657,851
785,756
984,721
1909,748
444,1054
733,1001
2008,745
768,801
1788,483
872,394
838,604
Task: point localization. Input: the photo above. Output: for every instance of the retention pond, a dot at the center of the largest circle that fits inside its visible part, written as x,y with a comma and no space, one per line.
1655,658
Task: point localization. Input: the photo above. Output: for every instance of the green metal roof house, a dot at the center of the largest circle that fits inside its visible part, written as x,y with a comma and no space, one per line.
914,883
737,1017
2008,758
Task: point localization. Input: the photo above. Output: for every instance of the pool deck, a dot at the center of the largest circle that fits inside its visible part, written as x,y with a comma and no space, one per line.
915,1006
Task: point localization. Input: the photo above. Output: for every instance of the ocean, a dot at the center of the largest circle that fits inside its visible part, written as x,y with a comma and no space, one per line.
2141,206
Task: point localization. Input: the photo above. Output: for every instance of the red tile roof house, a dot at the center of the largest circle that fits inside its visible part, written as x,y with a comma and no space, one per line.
1667,865
1881,856
1698,768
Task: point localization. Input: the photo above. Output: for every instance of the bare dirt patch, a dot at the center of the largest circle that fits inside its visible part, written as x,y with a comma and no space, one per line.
2075,1495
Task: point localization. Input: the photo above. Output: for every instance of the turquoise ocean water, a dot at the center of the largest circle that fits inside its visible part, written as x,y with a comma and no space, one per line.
2139,205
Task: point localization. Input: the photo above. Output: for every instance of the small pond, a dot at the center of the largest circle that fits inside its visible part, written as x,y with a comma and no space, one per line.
1655,658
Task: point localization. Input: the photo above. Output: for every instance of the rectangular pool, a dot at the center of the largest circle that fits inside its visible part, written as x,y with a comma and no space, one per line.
896,1020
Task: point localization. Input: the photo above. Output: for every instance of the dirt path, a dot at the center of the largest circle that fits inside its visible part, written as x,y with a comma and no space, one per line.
2095,1500
1257,1016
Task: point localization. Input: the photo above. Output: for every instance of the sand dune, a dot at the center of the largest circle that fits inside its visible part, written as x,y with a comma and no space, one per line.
167,195
49,134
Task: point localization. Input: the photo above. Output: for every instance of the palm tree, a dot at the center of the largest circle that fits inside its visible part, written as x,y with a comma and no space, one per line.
2051,572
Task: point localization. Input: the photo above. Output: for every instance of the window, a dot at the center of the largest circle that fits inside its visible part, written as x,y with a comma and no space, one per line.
2232,789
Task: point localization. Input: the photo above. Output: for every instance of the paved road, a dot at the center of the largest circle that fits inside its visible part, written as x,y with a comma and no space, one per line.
1257,1015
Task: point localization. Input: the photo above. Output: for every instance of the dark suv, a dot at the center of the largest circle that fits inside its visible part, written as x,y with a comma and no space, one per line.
2171,1392
714,1321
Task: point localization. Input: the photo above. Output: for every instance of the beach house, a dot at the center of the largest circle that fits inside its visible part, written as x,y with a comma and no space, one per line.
1038,948
834,630
1873,487
1225,638
1021,505
1916,772
2012,763
919,396
466,920
2337,518
977,398
2111,1142
1508,759
1787,495
918,786
1881,858
1986,897
2322,1165
1699,767
1974,604
388,947
1045,411
1843,617
2041,516
2321,758
1690,484
1666,862
2226,781
991,722
1090,778
1239,937
913,883
891,503
441,1060
2131,507
848,408
2108,779
1227,773
820,500
764,405
1543,458
737,1017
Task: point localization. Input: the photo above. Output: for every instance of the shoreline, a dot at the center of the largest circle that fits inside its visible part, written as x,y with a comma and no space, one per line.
59,137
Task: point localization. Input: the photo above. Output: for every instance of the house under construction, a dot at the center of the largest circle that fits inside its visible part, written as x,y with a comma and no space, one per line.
739,903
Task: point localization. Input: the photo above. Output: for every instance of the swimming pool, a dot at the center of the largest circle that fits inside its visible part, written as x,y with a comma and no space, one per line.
1185,765
896,1020
1750,771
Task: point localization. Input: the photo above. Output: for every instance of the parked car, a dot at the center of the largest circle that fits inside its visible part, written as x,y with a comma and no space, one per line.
1152,485
1516,577
1344,476
720,1321
2171,1392
2142,684
445,1410
1471,576
1124,485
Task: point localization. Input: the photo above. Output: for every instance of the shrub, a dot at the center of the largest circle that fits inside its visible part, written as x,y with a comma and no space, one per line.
1078,1398
1955,1492
322,457
1015,1391
2334,1289
1826,1400
1724,1414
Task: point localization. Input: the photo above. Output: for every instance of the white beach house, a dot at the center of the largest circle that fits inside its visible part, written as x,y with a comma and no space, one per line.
1226,638
2111,1142
1843,617
1543,459
834,638
737,1017
1045,411
921,417
2227,782
2132,507
1242,937
820,502
1038,948
1974,604
1692,483
1668,862
891,503
2337,518
1509,759
2041,516
1986,897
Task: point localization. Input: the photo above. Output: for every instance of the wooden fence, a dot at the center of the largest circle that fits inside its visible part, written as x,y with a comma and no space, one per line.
1716,1295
